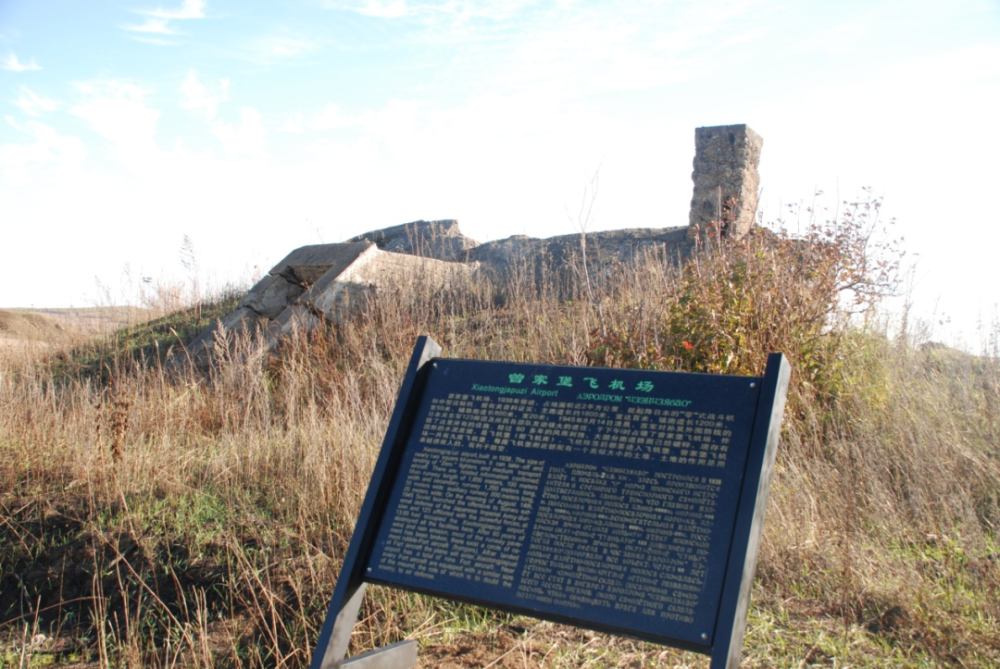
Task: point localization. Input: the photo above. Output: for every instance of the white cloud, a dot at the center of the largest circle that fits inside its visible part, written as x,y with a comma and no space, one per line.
293,124
12,64
246,138
328,118
47,148
198,97
118,112
33,104
397,120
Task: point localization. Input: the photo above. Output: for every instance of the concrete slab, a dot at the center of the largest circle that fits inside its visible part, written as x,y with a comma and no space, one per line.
206,339
331,294
307,264
296,318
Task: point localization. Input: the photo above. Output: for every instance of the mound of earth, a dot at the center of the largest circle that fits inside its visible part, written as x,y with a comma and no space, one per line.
96,320
44,327
24,327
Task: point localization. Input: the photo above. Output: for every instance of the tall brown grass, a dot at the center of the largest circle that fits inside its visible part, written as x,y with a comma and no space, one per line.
155,519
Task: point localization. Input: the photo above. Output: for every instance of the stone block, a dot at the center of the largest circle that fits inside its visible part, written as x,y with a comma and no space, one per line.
230,322
272,295
725,179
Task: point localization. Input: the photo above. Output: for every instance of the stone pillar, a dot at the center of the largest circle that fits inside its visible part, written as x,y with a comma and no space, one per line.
725,179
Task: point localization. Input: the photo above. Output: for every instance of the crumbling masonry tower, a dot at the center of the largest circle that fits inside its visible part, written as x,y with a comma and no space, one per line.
725,179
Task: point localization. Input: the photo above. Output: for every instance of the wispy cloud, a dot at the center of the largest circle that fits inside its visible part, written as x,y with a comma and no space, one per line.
12,64
386,9
278,48
282,47
157,21
394,9
190,9
152,25
33,104
572,48
158,41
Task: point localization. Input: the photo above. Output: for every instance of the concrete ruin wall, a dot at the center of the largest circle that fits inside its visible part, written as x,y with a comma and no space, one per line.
442,240
726,181
327,283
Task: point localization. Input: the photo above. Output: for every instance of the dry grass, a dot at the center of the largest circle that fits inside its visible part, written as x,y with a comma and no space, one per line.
156,520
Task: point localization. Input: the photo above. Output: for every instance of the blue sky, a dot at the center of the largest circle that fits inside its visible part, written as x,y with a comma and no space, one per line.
257,127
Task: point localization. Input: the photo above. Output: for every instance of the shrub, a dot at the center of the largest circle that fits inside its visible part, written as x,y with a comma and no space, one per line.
736,302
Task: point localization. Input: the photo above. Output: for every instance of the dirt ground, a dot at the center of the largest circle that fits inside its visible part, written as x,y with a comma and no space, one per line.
549,645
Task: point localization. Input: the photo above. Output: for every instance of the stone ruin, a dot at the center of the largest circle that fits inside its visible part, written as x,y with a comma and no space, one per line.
326,283
725,178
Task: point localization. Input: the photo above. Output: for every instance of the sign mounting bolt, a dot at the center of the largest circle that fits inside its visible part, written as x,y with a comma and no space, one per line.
704,636
753,385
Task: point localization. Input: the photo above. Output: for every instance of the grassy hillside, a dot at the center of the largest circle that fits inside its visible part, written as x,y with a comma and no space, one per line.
142,342
150,520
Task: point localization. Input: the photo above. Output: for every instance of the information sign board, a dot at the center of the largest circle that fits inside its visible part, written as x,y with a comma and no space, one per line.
620,500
